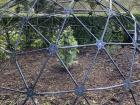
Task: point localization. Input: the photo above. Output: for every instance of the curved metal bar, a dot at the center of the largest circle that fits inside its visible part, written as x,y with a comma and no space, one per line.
67,69
24,102
40,72
54,93
39,33
84,26
111,87
91,66
21,74
33,101
12,90
115,64
65,14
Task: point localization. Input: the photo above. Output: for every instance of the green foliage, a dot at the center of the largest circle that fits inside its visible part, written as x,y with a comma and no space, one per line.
71,36
37,43
81,34
68,55
3,55
14,36
114,34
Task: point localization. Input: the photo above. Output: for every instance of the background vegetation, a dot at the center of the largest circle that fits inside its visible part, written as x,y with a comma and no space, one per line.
30,39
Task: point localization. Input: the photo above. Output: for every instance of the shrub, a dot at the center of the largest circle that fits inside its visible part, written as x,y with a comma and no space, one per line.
3,55
68,55
37,43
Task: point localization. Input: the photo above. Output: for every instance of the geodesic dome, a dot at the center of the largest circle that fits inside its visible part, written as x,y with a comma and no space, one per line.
107,66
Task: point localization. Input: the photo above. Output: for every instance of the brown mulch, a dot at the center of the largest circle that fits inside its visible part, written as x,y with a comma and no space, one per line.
56,78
